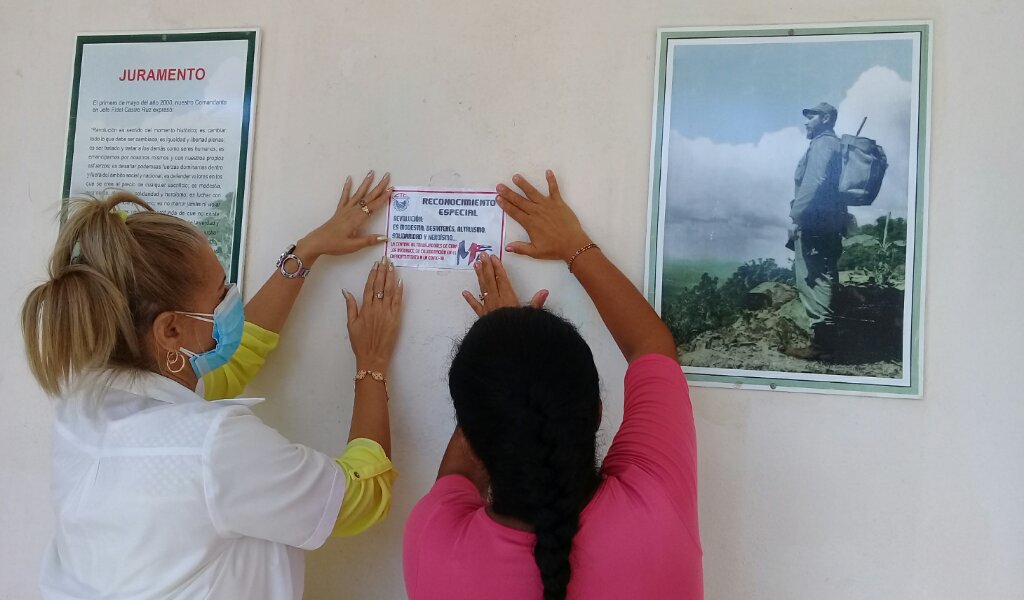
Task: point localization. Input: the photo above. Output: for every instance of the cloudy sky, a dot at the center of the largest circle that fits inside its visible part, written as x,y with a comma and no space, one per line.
735,134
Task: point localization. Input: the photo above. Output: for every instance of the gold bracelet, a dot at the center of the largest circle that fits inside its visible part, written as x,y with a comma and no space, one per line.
374,375
581,251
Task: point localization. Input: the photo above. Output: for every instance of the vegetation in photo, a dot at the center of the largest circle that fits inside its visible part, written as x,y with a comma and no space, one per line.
742,316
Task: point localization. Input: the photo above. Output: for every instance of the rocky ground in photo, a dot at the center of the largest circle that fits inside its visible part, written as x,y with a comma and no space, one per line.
870,336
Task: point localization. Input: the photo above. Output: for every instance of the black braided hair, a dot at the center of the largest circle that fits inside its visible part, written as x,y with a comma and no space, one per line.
527,396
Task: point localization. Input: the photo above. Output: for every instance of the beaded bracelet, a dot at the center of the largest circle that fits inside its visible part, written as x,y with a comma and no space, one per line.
581,251
374,375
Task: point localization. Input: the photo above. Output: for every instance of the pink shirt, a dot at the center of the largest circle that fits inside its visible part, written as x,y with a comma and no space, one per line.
638,536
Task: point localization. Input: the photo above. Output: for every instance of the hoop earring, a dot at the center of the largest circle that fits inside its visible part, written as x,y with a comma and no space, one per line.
175,358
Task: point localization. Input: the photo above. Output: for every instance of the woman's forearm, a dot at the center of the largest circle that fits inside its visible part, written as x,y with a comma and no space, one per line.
373,331
273,303
634,325
459,459
370,417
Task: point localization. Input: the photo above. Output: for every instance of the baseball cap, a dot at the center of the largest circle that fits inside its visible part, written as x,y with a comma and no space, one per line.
823,108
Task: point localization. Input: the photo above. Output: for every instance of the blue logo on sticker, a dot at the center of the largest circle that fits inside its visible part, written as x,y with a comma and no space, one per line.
401,201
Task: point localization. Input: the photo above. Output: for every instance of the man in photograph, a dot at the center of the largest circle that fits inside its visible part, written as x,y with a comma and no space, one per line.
819,218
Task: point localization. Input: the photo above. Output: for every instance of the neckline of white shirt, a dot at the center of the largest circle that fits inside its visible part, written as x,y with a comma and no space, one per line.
148,384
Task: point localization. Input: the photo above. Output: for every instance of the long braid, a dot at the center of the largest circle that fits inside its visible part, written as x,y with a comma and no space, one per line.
526,393
558,514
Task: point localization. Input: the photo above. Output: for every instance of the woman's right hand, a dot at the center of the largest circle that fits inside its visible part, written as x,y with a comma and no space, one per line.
373,329
555,232
340,234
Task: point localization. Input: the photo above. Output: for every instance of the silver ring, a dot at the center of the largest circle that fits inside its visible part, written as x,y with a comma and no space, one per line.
379,295
364,208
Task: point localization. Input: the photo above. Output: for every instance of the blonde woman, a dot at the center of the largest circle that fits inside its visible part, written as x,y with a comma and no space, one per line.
159,493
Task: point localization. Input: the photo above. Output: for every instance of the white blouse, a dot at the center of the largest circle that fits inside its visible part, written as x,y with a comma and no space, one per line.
161,494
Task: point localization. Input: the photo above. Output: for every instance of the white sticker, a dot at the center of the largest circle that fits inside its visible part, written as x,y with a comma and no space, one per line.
443,229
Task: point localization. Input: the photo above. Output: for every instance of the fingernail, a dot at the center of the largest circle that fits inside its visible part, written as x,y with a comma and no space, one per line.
476,265
509,249
390,188
386,175
399,283
391,266
382,238
348,179
501,187
344,292
374,267
370,174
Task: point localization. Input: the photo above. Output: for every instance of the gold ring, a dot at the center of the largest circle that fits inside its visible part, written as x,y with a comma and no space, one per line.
363,208
482,296
379,295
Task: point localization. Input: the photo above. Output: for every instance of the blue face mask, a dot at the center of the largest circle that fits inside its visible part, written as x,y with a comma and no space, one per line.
228,324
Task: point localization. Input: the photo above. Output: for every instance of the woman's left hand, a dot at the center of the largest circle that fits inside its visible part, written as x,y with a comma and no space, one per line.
340,234
496,288
373,328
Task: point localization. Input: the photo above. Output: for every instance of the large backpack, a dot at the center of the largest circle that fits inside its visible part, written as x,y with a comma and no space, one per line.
863,168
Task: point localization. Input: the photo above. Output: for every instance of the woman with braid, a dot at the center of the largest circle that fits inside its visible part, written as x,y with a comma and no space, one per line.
521,509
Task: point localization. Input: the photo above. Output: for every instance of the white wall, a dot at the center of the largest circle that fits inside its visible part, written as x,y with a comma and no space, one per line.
802,496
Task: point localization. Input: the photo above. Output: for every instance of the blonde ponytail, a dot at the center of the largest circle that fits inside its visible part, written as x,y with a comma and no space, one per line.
109,277
72,324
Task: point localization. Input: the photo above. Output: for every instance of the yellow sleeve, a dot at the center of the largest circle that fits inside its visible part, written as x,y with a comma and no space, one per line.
368,480
230,380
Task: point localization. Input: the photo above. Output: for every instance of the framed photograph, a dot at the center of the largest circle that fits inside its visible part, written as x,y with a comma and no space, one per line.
788,196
